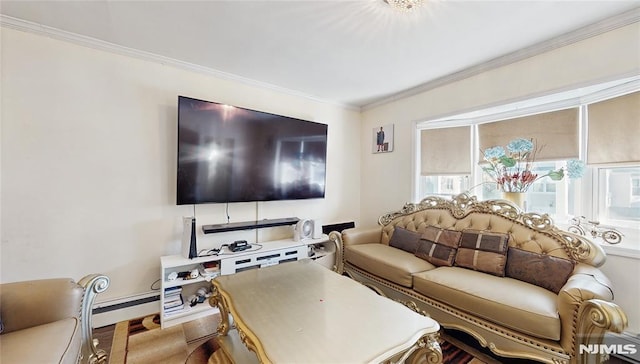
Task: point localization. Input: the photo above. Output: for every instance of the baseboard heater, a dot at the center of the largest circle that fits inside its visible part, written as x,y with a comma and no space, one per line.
112,311
625,346
126,304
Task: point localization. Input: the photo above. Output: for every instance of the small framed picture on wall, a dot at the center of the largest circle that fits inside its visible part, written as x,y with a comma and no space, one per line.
382,139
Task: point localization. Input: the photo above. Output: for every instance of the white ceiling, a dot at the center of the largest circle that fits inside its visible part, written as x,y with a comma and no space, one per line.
347,52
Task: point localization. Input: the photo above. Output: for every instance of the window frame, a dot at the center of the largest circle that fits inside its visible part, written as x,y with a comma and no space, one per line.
588,192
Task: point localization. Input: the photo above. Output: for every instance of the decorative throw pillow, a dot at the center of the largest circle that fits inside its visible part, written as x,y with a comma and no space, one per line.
438,246
404,239
483,251
545,271
485,241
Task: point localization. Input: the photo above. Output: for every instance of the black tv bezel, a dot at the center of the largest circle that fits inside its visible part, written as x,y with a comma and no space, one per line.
200,202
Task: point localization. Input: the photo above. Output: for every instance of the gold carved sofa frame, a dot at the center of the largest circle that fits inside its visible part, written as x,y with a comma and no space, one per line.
584,314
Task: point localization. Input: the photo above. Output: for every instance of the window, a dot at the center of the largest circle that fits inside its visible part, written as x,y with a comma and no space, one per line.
444,186
619,195
635,187
555,198
445,161
597,124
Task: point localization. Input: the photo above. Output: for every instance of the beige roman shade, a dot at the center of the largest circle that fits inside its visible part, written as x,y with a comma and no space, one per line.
555,133
446,151
614,130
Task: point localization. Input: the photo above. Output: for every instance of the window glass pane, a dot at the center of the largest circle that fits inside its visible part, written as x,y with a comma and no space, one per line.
543,195
620,194
444,186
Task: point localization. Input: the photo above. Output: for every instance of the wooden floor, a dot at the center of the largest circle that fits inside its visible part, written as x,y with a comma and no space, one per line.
105,337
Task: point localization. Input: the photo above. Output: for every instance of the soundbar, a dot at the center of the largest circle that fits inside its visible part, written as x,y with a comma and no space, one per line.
249,225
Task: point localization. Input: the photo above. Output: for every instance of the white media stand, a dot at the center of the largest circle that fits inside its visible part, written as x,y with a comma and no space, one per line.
260,255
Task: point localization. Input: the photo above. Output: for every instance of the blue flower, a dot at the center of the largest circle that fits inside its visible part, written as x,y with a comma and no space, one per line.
575,168
511,167
520,145
494,153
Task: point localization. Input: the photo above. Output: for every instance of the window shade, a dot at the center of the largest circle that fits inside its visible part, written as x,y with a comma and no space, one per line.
614,129
446,151
555,133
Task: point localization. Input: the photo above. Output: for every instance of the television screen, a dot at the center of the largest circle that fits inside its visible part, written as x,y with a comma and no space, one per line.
231,154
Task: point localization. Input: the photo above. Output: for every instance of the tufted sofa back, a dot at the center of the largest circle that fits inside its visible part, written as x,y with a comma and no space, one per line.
496,216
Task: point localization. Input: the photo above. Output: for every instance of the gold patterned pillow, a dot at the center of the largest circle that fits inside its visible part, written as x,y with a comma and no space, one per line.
438,246
483,251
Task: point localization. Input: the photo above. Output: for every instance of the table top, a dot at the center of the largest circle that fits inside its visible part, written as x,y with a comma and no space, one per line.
301,312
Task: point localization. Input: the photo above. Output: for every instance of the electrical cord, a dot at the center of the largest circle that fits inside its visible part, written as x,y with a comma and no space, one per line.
259,246
154,283
217,251
208,252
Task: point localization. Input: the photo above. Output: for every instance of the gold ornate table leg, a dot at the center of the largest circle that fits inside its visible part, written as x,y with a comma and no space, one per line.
431,348
218,301
427,350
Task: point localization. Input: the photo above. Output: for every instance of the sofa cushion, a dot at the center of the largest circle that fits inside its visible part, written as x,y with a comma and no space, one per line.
56,342
483,251
545,271
505,301
404,239
386,262
438,246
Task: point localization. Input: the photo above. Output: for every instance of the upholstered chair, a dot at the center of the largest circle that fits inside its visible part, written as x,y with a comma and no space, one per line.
49,321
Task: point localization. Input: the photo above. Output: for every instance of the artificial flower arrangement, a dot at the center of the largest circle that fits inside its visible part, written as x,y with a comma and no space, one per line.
512,168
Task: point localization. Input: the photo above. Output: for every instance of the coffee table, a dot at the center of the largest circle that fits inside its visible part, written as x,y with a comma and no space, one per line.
301,312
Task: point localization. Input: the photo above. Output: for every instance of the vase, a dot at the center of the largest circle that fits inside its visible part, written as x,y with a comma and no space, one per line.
515,197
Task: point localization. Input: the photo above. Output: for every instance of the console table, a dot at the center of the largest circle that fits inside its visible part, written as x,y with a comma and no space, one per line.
300,312
174,308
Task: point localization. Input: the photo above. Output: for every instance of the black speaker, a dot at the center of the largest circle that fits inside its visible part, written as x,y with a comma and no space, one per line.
189,249
326,229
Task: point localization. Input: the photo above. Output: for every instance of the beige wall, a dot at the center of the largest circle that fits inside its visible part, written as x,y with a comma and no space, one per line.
89,156
623,273
88,153
601,58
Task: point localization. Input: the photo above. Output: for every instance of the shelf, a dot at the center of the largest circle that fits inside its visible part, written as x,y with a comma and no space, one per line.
267,253
201,309
177,261
249,225
182,282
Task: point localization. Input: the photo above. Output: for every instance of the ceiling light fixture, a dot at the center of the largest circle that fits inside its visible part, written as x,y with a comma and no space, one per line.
404,5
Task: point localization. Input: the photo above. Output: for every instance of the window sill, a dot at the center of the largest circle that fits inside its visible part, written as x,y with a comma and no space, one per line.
629,246
623,250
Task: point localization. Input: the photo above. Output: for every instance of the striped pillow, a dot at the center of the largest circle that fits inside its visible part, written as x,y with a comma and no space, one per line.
483,251
438,246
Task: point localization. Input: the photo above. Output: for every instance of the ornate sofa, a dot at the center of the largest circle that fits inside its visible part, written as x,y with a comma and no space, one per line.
515,282
49,321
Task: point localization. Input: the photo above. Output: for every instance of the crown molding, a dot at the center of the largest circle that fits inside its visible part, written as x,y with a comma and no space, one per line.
535,104
89,42
617,21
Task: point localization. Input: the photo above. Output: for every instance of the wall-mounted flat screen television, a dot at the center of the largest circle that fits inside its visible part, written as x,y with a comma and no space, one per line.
231,154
